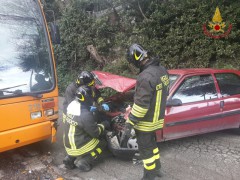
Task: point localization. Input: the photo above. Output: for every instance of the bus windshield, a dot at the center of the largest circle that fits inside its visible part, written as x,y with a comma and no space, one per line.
25,57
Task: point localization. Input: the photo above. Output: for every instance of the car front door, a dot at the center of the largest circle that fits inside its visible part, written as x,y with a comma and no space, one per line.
200,109
229,85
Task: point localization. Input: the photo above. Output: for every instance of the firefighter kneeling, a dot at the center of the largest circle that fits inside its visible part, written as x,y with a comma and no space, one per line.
82,135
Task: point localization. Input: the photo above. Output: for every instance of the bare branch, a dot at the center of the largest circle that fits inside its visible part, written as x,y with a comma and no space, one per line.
142,11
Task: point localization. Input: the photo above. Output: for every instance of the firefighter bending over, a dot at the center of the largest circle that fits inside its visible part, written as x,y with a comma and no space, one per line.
84,78
82,135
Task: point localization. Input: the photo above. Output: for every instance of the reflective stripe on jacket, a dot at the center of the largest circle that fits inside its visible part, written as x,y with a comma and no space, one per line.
81,131
151,92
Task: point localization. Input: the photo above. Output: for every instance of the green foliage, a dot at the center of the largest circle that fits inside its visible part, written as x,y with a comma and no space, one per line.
64,79
52,10
75,36
170,29
175,33
120,67
72,55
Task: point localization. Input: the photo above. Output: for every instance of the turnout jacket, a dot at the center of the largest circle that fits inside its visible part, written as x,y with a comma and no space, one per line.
81,131
150,96
70,94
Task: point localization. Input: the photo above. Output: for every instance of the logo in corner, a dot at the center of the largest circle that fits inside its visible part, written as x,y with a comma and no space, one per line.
217,28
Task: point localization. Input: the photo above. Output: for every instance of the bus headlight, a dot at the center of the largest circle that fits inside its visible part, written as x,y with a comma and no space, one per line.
35,115
48,112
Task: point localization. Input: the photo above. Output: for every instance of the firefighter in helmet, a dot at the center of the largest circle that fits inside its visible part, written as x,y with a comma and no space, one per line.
89,79
82,135
148,110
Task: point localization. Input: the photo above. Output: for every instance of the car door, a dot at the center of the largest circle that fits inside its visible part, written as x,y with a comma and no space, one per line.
200,109
229,85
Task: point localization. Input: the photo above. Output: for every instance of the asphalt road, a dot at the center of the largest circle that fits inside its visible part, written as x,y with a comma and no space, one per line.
213,156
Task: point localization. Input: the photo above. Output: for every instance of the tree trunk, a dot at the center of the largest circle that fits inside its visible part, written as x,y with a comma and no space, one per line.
93,51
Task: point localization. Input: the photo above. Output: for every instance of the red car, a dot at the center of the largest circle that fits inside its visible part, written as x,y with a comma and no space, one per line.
200,100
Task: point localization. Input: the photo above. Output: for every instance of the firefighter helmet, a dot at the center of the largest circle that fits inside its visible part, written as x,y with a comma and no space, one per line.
136,54
84,94
85,78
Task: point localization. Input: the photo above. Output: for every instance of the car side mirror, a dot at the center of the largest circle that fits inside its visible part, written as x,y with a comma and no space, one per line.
173,102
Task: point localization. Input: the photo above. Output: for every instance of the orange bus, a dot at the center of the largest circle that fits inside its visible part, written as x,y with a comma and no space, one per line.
28,81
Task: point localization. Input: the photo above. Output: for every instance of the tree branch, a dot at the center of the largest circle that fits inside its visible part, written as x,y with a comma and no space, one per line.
142,11
93,51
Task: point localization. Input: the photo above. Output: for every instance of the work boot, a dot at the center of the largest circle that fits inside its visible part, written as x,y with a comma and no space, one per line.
159,173
150,175
158,168
83,165
137,159
68,161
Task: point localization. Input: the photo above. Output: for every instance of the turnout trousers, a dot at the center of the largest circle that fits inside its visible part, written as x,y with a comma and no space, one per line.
149,154
86,161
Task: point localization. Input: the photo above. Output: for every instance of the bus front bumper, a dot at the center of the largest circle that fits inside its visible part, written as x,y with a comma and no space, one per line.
26,135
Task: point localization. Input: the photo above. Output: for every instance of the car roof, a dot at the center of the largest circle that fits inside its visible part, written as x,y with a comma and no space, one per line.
200,70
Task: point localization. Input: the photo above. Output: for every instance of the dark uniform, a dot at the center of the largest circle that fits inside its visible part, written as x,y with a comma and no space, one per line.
81,134
148,113
70,95
84,78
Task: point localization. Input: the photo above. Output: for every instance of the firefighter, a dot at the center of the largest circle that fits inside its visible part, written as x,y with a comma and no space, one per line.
148,110
84,78
82,135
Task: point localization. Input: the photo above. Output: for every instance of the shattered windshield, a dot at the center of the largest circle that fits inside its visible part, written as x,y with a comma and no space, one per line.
25,59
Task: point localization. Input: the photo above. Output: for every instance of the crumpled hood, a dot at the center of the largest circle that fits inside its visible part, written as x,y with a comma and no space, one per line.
116,82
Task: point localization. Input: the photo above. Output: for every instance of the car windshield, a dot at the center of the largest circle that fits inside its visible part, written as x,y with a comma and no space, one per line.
173,78
25,59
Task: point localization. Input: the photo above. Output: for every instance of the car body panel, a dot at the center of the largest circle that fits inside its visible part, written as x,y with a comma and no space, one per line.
231,112
118,83
189,119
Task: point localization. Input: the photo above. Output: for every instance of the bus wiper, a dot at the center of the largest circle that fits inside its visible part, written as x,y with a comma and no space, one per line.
19,92
12,87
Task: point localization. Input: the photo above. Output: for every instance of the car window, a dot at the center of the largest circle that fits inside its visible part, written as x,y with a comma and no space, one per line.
229,83
196,88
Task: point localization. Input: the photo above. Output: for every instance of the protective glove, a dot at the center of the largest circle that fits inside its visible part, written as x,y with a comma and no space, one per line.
93,108
106,124
105,107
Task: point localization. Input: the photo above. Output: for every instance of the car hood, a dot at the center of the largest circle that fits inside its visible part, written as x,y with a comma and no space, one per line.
116,82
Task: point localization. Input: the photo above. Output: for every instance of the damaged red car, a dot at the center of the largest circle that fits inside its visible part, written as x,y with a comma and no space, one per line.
200,101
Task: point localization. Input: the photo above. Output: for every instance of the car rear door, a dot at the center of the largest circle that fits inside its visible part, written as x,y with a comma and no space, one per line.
200,109
229,85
